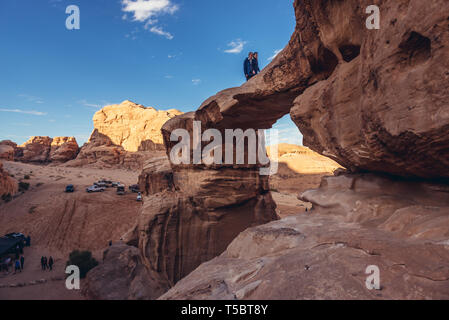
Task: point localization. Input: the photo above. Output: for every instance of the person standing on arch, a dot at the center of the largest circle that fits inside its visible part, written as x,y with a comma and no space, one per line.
255,64
247,66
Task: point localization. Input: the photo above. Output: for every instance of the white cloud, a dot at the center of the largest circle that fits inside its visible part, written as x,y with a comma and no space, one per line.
236,46
196,81
31,98
161,32
148,10
32,112
93,105
276,52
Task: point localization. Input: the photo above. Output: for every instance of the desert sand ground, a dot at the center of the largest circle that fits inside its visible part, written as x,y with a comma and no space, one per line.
60,222
66,221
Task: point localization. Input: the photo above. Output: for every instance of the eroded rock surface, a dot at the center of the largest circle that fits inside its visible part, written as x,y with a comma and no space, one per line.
356,222
101,153
384,108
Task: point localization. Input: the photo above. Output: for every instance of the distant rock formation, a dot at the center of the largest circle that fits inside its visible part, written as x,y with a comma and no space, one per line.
8,185
63,149
133,126
125,135
47,150
7,150
301,159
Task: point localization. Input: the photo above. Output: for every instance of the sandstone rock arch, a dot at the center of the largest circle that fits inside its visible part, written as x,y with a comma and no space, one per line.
373,100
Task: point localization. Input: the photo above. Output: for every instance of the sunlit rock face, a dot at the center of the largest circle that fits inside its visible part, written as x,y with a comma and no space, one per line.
133,126
124,136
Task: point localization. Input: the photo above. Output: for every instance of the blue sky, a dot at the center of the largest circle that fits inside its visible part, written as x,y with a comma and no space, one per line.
160,53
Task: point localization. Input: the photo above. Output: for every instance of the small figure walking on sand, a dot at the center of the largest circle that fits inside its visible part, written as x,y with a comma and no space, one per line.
50,263
22,262
43,263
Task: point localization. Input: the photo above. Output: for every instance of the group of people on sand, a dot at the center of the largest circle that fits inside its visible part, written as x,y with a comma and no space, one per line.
251,65
47,263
